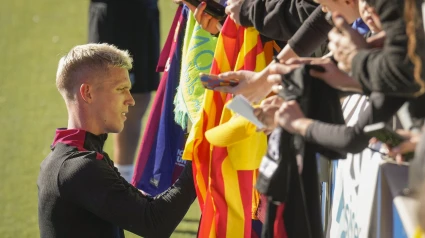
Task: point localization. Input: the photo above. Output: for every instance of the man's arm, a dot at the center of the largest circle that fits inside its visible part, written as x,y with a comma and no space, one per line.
389,70
276,19
98,188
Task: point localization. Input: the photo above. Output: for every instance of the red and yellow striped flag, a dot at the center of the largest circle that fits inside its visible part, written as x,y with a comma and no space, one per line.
226,150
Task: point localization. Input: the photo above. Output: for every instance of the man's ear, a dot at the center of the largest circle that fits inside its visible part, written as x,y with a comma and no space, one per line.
86,92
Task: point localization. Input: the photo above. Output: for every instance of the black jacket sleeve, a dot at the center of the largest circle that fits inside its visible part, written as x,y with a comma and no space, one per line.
98,188
276,19
311,35
389,70
352,139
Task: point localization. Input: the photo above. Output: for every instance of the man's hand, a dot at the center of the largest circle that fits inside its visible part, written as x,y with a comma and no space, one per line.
376,41
265,113
233,9
409,145
252,85
277,70
344,42
206,21
292,119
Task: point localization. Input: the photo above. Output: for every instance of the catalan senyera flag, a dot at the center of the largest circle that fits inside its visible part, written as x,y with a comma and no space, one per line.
225,149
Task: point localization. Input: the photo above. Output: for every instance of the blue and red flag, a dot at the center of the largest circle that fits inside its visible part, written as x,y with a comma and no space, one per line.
159,161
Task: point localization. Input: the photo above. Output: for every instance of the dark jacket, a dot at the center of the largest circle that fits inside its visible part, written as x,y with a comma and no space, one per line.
300,193
276,19
81,194
389,70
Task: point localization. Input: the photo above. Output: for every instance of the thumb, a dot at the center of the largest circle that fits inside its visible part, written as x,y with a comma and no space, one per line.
257,111
341,24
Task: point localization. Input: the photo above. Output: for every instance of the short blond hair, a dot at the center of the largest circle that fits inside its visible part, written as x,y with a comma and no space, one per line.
88,60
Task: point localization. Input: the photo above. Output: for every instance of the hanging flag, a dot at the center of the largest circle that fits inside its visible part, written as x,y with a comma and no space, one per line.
198,53
159,162
226,150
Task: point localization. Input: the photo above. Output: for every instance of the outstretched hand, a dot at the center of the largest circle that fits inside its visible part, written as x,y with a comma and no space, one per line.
252,85
344,42
233,9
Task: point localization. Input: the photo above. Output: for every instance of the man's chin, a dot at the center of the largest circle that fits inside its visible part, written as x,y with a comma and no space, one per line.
116,130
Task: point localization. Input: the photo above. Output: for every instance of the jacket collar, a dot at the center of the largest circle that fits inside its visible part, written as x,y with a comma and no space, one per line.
80,139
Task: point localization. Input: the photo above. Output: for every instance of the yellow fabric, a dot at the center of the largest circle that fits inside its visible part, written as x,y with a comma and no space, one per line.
419,233
245,146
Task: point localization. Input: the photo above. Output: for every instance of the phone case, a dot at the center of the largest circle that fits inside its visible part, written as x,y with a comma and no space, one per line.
214,8
212,81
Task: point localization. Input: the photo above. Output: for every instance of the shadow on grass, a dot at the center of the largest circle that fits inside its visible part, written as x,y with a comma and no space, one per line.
190,220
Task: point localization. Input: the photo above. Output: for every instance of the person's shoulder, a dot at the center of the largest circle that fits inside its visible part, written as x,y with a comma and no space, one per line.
81,165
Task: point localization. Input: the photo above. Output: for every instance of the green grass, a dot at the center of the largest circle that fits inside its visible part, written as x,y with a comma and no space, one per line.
33,36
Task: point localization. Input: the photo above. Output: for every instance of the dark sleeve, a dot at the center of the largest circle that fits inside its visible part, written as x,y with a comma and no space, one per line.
276,19
346,139
389,69
98,188
313,32
416,109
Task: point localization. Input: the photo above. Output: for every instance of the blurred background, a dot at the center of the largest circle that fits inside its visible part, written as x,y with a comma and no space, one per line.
33,36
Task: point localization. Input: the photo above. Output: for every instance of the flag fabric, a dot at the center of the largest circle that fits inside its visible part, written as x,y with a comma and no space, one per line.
198,53
159,161
225,149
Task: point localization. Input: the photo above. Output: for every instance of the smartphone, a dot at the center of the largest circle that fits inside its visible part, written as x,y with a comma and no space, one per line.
386,135
213,8
210,81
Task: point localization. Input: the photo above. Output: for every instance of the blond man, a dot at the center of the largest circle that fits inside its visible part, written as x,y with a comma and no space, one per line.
81,194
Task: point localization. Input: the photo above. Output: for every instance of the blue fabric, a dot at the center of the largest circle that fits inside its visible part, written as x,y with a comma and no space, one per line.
158,173
360,26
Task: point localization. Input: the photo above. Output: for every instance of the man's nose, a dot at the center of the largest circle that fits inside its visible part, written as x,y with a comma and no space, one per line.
130,100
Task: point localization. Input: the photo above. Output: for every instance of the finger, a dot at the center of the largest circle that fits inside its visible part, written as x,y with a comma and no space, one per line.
282,68
399,158
212,25
226,89
231,75
292,103
334,35
228,9
373,140
342,67
404,133
404,148
332,47
341,24
277,88
205,19
299,61
267,101
278,68
199,12
257,111
275,78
